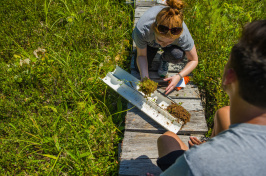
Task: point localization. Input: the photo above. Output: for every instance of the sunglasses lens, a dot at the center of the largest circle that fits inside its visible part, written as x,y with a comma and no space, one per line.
176,31
163,29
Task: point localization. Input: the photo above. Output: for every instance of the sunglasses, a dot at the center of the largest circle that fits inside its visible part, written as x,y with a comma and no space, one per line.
164,29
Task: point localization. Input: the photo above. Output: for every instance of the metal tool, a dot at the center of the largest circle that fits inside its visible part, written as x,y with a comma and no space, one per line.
166,95
154,106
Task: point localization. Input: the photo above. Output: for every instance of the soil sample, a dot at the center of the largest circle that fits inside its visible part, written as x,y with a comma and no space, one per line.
179,112
147,86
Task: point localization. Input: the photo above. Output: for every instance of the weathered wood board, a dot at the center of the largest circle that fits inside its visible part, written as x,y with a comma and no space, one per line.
138,121
188,92
140,145
145,3
139,11
144,145
139,153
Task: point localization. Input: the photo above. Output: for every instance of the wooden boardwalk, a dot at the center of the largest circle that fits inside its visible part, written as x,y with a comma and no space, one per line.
139,147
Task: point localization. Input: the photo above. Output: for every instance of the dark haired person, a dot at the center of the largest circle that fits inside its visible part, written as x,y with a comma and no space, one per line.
240,148
163,27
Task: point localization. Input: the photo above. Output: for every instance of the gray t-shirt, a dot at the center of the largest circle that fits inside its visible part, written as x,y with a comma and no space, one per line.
143,35
241,150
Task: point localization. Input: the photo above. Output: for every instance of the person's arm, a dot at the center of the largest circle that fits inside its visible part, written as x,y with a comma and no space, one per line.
190,66
142,62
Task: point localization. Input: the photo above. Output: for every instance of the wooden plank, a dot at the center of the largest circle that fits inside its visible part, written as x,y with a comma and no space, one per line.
138,121
140,145
190,104
140,1
146,0
145,3
138,167
189,92
139,11
144,145
140,153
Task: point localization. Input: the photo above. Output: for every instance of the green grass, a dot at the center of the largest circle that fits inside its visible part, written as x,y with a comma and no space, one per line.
57,117
216,26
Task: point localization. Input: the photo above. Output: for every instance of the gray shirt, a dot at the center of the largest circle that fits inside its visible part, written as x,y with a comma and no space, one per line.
241,150
143,34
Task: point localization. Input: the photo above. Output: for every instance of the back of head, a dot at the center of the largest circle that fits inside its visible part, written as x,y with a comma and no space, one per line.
171,16
248,59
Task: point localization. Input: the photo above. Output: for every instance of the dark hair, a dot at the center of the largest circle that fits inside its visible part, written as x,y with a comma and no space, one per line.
171,16
248,59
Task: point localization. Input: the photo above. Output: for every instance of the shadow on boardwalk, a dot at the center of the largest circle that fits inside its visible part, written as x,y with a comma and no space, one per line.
137,168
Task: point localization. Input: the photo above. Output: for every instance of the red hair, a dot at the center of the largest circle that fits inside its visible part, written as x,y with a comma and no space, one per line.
171,16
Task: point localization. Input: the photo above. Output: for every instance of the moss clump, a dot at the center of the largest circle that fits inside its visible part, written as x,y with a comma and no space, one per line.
147,86
179,112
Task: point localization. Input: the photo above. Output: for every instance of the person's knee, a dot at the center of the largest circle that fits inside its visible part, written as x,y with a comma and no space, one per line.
169,141
173,54
165,136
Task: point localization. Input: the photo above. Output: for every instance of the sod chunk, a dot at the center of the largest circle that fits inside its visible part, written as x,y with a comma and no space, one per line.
147,86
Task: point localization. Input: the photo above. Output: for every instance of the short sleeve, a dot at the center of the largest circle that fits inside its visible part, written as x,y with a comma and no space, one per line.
139,39
185,41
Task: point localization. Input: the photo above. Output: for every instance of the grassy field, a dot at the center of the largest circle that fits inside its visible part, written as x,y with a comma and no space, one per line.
216,26
56,116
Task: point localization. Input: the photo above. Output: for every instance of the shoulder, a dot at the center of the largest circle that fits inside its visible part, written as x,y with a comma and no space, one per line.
148,17
231,149
185,41
185,34
143,33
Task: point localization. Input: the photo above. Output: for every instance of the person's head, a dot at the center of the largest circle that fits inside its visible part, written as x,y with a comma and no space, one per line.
248,61
168,22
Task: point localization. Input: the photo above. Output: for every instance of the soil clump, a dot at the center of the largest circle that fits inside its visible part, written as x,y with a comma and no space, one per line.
179,112
147,86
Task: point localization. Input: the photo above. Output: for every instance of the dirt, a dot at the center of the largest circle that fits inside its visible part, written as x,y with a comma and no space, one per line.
147,86
179,112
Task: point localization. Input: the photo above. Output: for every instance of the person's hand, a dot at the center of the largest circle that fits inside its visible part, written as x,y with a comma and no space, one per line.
174,80
194,141
144,78
148,174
